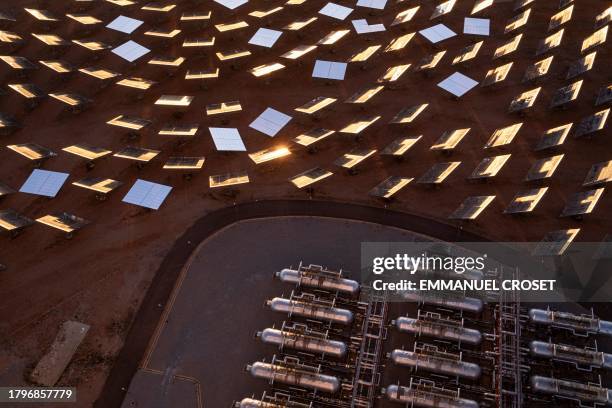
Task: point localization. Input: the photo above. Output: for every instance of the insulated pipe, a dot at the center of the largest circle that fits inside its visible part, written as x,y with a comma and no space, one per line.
282,374
425,399
570,320
467,304
570,353
436,364
303,342
572,389
320,282
312,311
253,403
437,330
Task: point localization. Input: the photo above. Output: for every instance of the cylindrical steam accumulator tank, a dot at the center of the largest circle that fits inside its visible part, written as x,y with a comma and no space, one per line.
253,403
302,342
570,320
571,389
424,399
310,380
440,331
321,282
467,304
574,354
312,311
436,364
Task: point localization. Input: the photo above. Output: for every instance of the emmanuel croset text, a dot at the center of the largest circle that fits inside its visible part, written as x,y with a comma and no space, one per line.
449,264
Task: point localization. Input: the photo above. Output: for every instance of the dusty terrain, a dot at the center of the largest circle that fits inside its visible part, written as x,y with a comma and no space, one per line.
101,275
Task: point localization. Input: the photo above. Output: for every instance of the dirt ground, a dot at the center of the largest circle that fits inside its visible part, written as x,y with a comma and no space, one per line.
101,276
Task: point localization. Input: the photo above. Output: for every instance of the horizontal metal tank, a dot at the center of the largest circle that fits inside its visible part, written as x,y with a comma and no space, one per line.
291,376
303,342
253,403
320,281
467,304
573,354
436,364
437,330
571,389
571,321
421,398
312,311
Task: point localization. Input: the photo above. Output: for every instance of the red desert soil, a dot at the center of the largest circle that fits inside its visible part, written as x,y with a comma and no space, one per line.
100,276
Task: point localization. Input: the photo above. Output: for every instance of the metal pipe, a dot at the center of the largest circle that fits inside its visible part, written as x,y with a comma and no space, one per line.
426,399
311,310
285,375
253,403
467,304
320,281
437,330
436,364
299,341
571,321
572,354
572,389
471,274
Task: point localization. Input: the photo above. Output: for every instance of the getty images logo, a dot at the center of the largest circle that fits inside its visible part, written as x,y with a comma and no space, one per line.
412,264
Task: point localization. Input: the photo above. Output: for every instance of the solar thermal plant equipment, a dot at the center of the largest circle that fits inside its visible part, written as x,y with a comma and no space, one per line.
438,328
257,403
309,308
571,354
571,321
427,396
429,359
316,277
299,337
291,371
450,300
572,390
